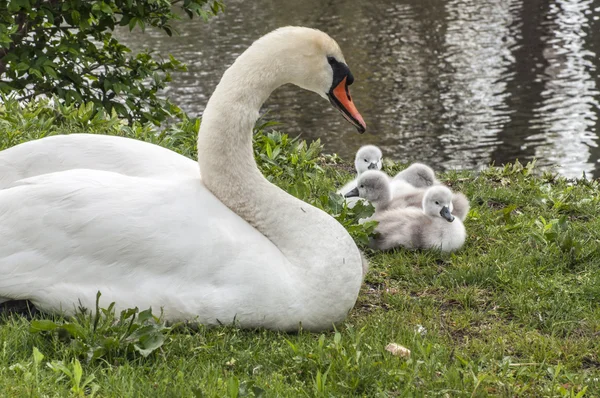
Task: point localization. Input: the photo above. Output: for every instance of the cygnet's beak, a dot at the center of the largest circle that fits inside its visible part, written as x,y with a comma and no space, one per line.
445,212
340,98
353,193
373,166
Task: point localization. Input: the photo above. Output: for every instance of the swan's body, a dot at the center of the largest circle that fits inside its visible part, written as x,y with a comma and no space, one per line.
230,246
93,151
368,157
432,227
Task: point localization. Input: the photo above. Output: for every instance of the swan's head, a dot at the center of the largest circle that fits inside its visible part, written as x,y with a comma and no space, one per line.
368,157
372,185
311,59
437,202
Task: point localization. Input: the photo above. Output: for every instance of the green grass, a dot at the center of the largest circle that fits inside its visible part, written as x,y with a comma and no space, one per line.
516,312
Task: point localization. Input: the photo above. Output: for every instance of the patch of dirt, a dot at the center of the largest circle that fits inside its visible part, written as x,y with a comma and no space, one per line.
589,363
371,298
342,166
495,205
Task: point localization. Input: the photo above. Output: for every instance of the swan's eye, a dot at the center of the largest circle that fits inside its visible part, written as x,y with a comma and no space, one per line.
331,60
437,203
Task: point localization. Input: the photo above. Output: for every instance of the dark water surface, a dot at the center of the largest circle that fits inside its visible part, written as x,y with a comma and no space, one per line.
455,84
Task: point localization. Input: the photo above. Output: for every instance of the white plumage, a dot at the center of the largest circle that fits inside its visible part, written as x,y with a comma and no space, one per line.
93,151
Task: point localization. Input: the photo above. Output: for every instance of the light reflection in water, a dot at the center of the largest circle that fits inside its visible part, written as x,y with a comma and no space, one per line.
453,83
569,111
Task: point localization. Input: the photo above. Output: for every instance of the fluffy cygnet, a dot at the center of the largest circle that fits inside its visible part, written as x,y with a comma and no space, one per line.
432,227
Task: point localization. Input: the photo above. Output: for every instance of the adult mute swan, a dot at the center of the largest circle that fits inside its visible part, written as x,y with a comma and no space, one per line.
92,151
229,246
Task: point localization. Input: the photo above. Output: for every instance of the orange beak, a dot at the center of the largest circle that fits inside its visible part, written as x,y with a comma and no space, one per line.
340,98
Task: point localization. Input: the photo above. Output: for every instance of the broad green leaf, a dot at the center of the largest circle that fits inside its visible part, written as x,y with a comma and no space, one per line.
42,325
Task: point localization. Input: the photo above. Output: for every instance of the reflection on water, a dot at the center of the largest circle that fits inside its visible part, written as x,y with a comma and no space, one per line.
453,83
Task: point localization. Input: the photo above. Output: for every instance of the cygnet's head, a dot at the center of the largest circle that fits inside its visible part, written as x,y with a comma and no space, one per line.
374,186
368,157
311,59
437,202
418,175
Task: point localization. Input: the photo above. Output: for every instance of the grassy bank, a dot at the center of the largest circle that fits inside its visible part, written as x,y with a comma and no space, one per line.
516,312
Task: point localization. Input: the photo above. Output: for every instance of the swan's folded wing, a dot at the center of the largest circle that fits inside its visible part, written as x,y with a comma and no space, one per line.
92,151
141,242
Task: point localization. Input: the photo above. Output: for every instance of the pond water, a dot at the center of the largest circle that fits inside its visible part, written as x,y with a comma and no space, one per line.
452,83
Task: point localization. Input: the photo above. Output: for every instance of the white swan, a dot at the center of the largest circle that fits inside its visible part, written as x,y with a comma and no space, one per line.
231,246
368,157
432,227
92,151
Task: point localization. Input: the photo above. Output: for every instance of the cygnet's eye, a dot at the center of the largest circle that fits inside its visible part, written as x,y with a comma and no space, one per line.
437,203
362,186
366,160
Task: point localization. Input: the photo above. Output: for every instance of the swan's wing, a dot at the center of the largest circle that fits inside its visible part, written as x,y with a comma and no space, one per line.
92,151
141,242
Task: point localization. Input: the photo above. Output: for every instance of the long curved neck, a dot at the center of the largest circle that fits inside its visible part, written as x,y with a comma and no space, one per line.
324,262
225,152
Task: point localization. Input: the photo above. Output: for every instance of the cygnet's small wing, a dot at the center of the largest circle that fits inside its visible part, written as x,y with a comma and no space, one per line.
412,198
399,228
